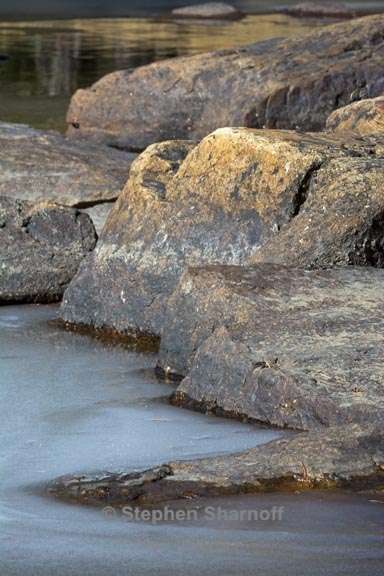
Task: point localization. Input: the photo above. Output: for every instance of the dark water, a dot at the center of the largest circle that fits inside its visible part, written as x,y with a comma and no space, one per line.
69,403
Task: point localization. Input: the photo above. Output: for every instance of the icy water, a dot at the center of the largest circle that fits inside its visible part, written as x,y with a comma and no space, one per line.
70,403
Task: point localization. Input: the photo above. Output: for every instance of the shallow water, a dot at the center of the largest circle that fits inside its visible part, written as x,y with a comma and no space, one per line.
70,403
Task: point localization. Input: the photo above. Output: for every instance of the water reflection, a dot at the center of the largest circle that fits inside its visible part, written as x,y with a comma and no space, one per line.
49,60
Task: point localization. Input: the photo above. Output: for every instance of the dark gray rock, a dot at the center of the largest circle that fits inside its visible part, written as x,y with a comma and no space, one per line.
41,247
288,347
293,83
341,457
36,165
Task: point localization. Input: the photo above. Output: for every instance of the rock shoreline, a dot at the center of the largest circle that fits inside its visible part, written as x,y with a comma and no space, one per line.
342,457
255,254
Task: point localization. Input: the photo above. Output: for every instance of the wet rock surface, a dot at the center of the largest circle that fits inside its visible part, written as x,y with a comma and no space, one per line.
288,347
36,165
350,456
294,83
41,247
219,202
210,10
364,117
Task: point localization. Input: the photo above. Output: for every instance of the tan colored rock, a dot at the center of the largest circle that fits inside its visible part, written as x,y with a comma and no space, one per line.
363,117
219,202
293,83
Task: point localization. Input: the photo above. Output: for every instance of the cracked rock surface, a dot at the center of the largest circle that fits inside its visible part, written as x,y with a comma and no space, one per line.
279,83
41,247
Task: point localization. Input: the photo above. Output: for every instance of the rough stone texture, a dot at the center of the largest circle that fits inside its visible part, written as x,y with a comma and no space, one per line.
210,10
350,456
216,202
37,165
320,9
341,222
364,117
288,347
41,246
294,83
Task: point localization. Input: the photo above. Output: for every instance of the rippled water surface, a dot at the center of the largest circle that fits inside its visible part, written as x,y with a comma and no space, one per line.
69,403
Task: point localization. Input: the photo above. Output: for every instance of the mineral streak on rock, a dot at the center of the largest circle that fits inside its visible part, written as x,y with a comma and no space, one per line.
345,457
41,247
363,117
293,83
287,347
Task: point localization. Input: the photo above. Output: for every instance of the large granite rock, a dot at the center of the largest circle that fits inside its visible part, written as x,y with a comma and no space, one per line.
294,83
363,117
209,10
41,247
36,165
288,347
219,202
340,457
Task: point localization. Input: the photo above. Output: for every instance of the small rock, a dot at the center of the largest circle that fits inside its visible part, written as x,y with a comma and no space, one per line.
41,247
364,117
210,10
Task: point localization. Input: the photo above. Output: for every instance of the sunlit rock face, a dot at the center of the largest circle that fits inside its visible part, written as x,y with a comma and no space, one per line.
363,117
221,201
41,247
291,83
